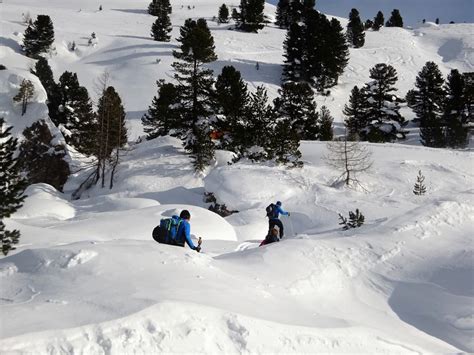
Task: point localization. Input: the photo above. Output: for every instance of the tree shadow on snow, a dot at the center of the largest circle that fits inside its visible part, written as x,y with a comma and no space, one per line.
269,73
125,58
140,46
133,11
10,43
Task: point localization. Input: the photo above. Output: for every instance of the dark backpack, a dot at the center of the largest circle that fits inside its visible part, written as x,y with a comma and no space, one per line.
167,232
272,211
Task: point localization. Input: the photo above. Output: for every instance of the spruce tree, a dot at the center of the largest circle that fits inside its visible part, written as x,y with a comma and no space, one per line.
161,117
39,36
296,107
283,18
223,16
384,122
41,159
355,30
368,24
356,113
12,186
395,19
251,15
469,97
378,21
325,126
294,47
25,94
232,99
419,188
43,71
455,111
427,103
195,87
161,28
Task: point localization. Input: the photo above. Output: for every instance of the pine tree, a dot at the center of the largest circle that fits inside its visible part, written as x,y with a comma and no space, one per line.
395,19
419,188
356,113
355,220
76,118
251,16
427,103
368,24
25,94
161,28
315,49
111,133
158,7
296,107
161,119
284,144
383,117
232,99
455,111
283,18
39,36
378,21
195,88
12,186
223,16
45,74
257,126
469,97
41,159
355,30
325,126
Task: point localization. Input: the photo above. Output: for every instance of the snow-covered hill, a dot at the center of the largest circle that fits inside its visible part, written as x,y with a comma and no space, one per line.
88,279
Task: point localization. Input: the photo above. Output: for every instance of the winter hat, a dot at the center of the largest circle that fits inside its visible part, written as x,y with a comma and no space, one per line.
185,214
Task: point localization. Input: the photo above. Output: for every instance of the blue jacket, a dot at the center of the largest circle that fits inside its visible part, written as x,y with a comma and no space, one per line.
279,211
184,232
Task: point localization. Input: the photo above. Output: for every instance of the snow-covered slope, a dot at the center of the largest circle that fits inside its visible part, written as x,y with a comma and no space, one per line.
87,277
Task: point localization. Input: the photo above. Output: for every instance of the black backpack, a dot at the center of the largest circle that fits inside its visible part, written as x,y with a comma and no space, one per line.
271,211
166,232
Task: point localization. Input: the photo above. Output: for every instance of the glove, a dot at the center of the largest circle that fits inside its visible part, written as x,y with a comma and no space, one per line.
288,214
198,249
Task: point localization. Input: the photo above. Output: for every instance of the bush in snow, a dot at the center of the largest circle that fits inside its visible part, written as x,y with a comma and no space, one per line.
12,186
356,219
41,158
2,67
25,94
419,188
38,37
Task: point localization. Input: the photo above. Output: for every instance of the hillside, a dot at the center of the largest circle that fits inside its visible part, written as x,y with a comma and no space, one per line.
87,278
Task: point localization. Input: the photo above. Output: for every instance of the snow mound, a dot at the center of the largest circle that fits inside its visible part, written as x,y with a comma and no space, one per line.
44,201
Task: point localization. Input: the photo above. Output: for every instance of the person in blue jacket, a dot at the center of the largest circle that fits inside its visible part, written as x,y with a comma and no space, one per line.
273,218
184,230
